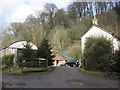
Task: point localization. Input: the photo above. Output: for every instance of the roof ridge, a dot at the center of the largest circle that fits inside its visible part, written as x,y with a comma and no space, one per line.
102,28
12,43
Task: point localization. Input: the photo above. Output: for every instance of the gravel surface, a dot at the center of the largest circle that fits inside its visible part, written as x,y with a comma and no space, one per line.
61,77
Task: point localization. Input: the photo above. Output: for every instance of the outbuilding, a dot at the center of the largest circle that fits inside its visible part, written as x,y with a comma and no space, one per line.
15,48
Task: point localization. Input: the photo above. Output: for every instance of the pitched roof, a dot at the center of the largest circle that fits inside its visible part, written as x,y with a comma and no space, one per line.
20,45
59,57
97,31
65,54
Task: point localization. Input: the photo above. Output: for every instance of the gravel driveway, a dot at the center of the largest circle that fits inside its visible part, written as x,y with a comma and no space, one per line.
61,77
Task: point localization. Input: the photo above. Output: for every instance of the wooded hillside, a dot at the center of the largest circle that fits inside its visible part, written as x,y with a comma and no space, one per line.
64,27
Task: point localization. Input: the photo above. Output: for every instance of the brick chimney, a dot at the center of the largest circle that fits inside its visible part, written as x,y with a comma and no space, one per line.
94,21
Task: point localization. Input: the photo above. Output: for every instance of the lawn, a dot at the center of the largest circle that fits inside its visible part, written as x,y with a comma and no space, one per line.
19,70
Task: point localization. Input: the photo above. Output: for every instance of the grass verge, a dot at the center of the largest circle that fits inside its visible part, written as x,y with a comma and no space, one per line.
99,74
12,70
18,70
94,73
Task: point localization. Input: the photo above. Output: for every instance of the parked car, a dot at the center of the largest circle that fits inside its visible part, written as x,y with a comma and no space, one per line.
72,63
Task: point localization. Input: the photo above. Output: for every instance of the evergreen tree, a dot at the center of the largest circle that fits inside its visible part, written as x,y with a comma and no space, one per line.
26,54
45,51
27,51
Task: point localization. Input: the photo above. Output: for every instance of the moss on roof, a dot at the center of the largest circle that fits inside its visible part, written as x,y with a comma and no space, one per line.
65,54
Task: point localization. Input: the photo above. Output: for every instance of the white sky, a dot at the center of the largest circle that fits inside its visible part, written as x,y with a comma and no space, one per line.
18,10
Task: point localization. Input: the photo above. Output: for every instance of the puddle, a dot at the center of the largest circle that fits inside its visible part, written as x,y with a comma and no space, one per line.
80,82
20,84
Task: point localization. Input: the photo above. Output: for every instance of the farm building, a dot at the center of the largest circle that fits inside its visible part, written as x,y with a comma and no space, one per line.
62,57
15,48
59,60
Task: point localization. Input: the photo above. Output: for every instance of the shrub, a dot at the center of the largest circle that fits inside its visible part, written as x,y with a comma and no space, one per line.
97,53
116,62
8,59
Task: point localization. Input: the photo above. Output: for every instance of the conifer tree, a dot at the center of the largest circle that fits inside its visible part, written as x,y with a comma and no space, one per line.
27,51
45,51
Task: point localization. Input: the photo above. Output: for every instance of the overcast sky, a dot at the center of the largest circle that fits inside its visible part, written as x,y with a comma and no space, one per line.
18,10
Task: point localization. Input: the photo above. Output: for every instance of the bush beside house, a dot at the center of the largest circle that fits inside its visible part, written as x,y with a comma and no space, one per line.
97,54
116,62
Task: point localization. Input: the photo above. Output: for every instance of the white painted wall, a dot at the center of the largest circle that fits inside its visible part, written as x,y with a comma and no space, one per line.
7,51
59,62
95,31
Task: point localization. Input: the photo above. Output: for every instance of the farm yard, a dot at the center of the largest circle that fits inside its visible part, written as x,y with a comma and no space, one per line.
60,45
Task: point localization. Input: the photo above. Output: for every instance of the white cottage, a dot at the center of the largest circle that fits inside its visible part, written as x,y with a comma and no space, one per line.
14,49
96,31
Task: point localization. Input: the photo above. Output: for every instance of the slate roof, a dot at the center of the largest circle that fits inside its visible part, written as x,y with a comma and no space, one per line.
65,54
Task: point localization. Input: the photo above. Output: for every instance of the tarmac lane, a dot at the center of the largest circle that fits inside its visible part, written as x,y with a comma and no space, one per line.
61,77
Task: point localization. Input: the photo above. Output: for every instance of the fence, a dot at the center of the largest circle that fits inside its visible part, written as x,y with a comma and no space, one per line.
34,62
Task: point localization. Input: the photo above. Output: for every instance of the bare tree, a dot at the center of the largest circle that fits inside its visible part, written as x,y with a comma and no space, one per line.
51,9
